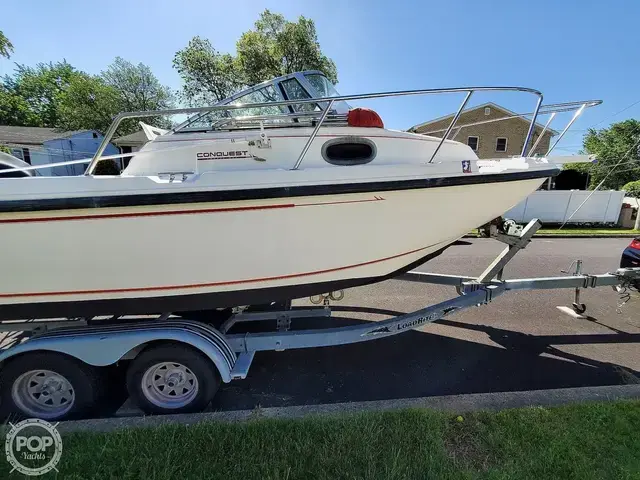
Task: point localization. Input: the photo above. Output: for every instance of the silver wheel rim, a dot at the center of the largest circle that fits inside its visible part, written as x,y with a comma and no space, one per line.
43,394
169,385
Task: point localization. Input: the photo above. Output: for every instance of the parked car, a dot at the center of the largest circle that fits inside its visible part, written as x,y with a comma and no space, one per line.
8,161
631,255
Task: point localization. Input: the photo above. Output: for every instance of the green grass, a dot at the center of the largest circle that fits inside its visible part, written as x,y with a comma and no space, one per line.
590,441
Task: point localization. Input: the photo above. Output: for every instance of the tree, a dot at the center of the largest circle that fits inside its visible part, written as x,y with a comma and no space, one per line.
275,47
57,95
618,143
633,190
88,103
6,47
31,96
208,75
138,89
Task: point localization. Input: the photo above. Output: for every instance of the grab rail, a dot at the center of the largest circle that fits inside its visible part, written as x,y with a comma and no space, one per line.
552,109
330,100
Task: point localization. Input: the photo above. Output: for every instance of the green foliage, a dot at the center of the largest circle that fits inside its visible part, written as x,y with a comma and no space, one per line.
610,145
208,76
5,149
31,97
632,189
581,167
56,95
275,47
137,89
87,103
6,47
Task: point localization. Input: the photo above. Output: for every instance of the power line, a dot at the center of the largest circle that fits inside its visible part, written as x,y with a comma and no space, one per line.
602,182
617,113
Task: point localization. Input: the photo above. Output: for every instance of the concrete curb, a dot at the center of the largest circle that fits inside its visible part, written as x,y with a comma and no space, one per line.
450,403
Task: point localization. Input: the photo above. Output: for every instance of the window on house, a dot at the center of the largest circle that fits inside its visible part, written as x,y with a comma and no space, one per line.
17,152
26,155
473,143
487,111
501,144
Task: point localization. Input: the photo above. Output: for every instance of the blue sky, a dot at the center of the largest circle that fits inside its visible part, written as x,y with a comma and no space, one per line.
568,49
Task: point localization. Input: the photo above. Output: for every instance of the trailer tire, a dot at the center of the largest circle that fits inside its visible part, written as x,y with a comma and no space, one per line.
172,378
66,388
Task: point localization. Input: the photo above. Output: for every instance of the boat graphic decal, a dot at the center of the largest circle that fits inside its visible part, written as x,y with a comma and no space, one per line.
466,166
377,331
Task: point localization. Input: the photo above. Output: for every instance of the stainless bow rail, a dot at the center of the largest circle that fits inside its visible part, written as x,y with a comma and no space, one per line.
329,101
319,118
550,109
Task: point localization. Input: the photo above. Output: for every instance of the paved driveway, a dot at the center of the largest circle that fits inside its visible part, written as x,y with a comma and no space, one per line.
519,342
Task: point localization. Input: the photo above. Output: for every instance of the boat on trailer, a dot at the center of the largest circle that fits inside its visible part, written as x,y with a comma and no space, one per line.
281,191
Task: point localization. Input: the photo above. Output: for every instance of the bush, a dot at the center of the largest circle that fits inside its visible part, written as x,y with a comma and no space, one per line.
632,189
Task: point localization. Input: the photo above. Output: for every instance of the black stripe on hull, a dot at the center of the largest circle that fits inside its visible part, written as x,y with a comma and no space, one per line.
191,302
132,200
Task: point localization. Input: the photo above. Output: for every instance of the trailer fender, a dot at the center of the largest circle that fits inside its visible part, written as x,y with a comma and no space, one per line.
105,345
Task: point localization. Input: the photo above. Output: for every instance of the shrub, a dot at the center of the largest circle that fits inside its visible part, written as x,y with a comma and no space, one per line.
632,189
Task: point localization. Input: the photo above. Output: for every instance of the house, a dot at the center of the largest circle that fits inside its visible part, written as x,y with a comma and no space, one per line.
131,143
488,137
41,146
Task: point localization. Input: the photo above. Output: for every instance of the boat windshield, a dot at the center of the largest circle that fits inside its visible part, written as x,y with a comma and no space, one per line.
263,95
298,86
322,85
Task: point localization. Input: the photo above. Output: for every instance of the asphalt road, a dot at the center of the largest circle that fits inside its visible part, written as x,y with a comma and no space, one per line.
519,342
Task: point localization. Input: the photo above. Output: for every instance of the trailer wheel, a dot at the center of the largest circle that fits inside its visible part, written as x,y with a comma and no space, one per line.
579,308
172,379
50,386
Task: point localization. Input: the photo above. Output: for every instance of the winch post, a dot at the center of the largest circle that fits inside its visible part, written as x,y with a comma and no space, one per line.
515,244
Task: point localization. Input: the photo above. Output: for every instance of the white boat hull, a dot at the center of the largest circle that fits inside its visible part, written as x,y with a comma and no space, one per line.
175,257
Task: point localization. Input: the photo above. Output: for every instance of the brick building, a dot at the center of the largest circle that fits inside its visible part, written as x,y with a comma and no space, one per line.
496,139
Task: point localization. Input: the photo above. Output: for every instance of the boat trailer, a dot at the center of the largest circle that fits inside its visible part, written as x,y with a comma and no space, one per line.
75,368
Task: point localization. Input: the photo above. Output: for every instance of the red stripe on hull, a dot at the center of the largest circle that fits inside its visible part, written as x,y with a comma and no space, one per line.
213,284
177,212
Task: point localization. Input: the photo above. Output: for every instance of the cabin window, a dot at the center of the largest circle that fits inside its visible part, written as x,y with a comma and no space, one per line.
473,143
294,91
501,144
349,151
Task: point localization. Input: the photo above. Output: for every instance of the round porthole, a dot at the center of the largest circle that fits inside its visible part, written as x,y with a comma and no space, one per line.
349,151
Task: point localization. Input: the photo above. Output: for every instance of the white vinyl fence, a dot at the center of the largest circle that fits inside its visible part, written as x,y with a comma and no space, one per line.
555,206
